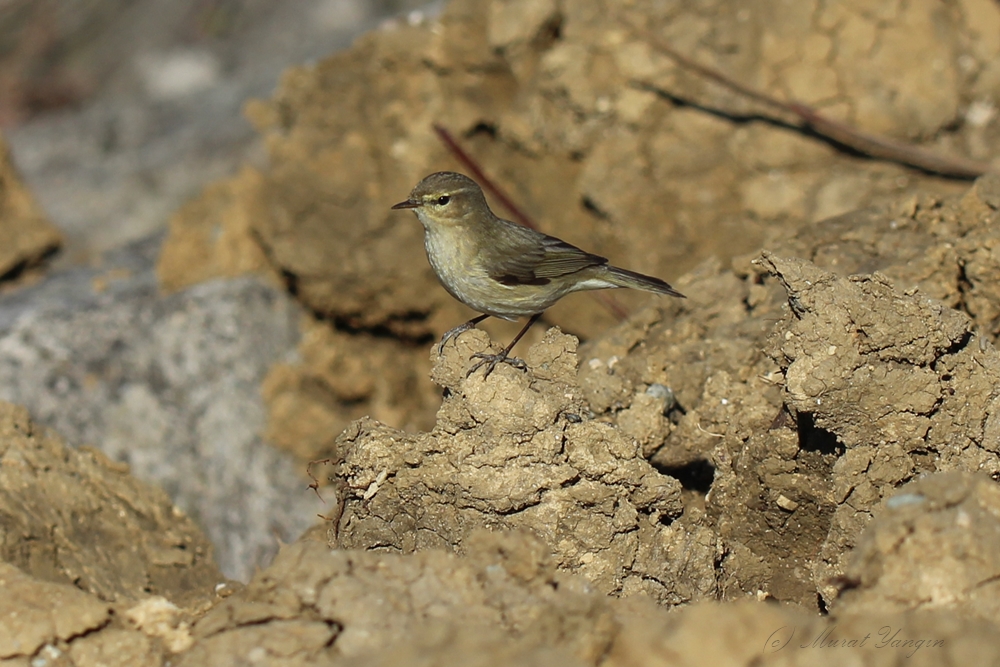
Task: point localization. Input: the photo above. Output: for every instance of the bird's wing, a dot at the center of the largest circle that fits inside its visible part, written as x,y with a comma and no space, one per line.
527,257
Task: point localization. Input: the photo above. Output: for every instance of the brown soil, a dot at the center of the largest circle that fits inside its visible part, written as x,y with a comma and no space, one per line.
800,455
91,556
599,136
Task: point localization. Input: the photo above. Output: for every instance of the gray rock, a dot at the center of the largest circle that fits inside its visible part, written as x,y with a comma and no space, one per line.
169,385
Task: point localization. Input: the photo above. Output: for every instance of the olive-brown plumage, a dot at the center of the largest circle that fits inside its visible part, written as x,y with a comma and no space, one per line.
500,268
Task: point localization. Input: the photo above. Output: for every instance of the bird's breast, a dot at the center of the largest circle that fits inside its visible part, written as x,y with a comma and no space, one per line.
459,265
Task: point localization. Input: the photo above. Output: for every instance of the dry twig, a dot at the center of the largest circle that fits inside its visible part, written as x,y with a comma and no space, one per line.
807,118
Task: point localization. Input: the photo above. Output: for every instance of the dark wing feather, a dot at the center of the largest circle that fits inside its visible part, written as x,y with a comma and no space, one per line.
526,257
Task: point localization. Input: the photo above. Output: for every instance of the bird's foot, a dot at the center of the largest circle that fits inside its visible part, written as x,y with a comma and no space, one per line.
491,361
459,330
452,333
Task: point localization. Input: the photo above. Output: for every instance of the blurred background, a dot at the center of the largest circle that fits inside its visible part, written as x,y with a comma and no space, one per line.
117,111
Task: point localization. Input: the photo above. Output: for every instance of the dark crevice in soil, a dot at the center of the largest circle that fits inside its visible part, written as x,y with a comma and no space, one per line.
549,34
591,207
387,329
821,604
676,411
291,283
512,511
695,476
26,265
482,128
666,519
959,344
963,287
815,439
572,481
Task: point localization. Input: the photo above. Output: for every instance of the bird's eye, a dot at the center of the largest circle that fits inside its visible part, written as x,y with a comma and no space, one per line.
443,199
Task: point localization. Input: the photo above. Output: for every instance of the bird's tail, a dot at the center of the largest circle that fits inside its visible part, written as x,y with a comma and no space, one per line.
626,278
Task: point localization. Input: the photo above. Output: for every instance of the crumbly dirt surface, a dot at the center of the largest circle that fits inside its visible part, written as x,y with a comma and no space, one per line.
596,133
75,517
26,235
700,483
796,465
519,451
950,524
790,463
96,567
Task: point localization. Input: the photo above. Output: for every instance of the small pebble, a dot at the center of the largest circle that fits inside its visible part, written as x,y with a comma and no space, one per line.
905,499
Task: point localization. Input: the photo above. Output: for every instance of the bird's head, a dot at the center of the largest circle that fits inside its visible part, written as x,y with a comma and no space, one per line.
446,198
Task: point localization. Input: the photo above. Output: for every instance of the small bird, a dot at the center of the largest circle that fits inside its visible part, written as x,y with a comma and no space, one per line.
500,268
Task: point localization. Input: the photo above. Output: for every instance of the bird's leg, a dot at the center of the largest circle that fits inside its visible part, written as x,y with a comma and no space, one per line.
460,329
491,360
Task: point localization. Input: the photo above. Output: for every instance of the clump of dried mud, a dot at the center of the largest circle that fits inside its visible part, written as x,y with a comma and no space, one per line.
93,563
520,451
507,600
821,440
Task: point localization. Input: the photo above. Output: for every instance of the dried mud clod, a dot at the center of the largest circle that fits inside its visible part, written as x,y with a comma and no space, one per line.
38,612
94,564
946,247
504,602
895,379
521,451
75,517
778,406
314,605
799,400
934,544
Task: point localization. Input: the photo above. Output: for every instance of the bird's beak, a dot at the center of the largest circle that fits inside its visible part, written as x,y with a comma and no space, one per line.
409,203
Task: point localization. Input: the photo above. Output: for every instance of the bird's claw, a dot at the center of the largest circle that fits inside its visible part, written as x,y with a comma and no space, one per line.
452,333
491,361
460,329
